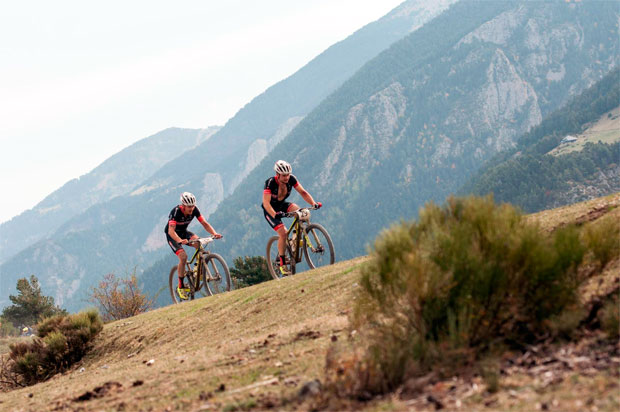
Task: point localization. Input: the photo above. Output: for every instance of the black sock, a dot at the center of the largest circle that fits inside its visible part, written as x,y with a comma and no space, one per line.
282,260
181,284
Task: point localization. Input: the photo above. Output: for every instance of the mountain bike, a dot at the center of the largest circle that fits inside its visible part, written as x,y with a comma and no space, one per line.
206,273
312,238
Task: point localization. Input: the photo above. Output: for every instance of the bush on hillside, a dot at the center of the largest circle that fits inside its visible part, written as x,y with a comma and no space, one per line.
61,341
119,298
463,278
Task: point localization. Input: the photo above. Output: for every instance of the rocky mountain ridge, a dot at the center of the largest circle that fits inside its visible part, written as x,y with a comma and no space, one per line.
419,119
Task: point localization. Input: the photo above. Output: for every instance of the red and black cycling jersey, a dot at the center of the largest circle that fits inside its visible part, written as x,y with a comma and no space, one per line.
272,187
180,220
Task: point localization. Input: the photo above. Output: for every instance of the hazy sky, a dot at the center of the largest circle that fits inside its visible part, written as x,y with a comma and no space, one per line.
79,81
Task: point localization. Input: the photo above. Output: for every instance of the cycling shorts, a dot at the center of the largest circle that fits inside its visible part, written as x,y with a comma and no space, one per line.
176,246
276,222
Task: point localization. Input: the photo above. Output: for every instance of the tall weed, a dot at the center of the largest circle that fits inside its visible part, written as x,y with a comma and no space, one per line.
462,279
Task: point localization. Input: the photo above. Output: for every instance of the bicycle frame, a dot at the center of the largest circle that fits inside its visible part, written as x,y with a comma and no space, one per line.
296,225
202,269
299,227
200,250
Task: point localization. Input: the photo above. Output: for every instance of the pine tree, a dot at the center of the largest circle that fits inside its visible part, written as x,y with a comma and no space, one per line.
30,306
250,270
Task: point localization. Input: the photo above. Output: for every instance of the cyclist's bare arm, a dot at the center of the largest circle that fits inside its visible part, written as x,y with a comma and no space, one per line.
267,204
174,235
209,228
304,194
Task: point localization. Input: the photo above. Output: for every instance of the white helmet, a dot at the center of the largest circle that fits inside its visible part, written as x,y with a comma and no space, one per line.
282,167
188,199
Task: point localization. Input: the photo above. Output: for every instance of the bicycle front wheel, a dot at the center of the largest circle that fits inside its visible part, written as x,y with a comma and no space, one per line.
200,286
216,274
318,246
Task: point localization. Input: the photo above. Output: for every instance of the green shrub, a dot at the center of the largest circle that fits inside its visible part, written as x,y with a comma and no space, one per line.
463,278
61,341
602,237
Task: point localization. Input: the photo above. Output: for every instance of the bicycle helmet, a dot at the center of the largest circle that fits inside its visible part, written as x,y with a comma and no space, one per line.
282,167
188,199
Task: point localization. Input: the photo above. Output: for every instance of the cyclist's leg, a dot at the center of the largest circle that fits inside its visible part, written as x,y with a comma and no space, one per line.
277,225
281,229
191,237
177,248
181,267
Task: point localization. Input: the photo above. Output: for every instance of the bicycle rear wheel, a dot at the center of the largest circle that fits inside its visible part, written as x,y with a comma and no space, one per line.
216,274
318,246
273,259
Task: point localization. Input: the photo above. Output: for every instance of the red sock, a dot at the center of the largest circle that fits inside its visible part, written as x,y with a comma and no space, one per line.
181,285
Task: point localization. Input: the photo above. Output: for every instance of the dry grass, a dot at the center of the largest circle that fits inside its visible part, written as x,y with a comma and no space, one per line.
581,212
262,343
278,329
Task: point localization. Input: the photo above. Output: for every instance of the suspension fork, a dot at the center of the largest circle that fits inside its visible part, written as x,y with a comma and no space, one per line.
309,241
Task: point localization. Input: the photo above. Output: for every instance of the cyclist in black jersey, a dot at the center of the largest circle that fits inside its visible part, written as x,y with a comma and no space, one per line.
178,235
277,189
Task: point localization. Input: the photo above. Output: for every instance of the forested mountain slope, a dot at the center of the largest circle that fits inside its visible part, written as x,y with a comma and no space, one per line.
541,172
116,176
418,120
128,230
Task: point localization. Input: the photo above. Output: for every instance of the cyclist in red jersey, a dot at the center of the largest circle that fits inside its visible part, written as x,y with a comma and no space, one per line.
277,189
178,235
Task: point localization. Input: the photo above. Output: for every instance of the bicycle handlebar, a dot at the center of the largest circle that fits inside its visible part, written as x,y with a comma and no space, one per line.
202,240
293,214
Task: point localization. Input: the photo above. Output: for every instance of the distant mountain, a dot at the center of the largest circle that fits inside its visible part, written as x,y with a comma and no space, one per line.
419,119
128,230
116,176
259,126
546,169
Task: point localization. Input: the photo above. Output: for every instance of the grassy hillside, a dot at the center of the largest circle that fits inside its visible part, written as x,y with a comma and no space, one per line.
257,347
542,173
605,130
